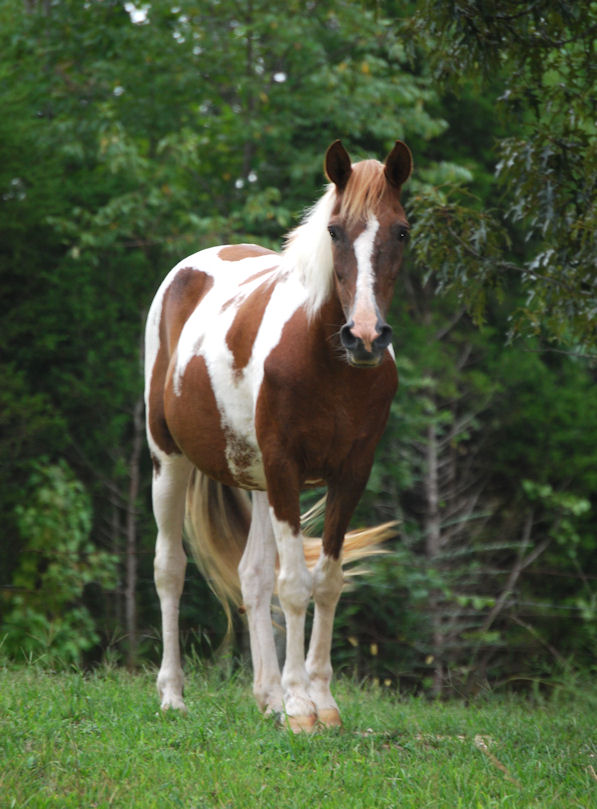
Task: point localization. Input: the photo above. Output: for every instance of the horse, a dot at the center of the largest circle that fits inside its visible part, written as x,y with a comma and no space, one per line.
274,372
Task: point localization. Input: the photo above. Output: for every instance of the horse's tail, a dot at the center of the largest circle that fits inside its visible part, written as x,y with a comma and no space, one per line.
358,544
217,525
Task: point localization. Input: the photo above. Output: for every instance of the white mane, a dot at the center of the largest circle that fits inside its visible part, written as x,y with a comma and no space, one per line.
308,252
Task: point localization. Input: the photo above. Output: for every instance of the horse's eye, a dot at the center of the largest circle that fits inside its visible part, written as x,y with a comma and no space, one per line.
333,231
403,235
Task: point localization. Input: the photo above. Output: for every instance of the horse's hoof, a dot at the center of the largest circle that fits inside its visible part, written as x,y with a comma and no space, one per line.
330,718
174,704
275,709
302,724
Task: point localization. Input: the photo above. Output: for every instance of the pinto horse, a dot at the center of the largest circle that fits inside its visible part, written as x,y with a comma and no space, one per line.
273,372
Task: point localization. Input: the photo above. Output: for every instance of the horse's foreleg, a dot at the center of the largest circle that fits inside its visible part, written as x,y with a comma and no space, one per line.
257,571
294,591
327,586
168,492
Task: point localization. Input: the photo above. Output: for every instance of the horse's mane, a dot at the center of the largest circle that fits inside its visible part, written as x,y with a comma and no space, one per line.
308,250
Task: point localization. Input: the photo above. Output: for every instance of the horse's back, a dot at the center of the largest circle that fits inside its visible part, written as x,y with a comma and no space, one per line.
187,284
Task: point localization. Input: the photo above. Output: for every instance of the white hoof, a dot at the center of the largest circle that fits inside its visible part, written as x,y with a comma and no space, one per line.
174,703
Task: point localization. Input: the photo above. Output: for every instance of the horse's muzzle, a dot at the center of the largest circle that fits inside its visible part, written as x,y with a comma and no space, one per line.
357,352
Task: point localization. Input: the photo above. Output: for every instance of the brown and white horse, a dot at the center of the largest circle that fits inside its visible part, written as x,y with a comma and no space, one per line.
272,372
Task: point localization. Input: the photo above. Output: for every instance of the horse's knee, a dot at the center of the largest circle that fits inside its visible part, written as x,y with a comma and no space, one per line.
328,581
295,587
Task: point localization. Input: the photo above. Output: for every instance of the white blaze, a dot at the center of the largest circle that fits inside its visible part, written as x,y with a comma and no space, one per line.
365,309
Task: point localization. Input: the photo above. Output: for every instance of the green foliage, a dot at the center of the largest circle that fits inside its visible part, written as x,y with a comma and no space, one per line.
449,233
541,57
44,615
564,521
381,631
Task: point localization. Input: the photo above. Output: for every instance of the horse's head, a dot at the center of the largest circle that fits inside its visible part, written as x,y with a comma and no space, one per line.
368,229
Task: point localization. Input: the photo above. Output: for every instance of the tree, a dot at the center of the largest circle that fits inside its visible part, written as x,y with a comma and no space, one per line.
540,55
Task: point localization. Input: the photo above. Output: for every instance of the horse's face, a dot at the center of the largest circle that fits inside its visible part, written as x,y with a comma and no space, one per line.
368,230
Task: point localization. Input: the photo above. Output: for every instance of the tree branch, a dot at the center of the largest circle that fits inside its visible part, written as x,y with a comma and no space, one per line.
521,563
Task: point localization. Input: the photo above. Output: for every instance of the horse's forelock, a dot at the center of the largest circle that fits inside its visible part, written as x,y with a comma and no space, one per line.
364,191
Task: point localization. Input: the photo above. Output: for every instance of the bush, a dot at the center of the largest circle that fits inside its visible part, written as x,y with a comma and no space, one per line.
45,613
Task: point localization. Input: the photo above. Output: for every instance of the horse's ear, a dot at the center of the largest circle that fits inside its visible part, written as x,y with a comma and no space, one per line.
337,165
399,164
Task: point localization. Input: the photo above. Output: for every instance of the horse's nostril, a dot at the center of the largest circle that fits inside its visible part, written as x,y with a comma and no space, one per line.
348,339
384,338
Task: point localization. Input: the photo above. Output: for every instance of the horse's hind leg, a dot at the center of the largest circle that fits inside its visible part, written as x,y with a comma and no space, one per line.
168,492
257,577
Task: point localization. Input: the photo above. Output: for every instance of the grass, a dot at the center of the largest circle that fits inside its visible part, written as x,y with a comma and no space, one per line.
71,740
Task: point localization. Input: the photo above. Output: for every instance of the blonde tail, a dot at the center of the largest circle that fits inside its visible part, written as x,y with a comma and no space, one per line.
217,524
358,544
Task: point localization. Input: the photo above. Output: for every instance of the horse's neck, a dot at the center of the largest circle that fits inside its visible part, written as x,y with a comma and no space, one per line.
327,323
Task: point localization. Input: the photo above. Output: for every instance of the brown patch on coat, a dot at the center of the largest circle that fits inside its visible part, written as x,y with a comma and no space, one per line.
243,330
236,252
180,299
195,422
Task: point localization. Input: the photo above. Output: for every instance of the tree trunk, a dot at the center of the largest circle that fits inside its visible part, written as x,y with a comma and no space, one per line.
131,535
432,548
115,597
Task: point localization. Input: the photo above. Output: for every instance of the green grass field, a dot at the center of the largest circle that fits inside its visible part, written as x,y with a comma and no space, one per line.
69,740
